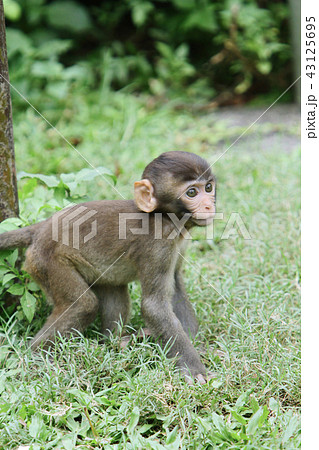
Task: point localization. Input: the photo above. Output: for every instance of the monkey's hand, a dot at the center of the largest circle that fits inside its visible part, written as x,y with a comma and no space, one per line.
202,379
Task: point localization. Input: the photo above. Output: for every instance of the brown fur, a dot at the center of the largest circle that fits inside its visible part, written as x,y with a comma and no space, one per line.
80,282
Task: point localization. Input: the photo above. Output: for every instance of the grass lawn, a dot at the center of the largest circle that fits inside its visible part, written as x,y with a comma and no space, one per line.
83,394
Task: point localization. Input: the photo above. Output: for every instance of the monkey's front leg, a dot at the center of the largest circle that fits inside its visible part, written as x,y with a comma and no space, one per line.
159,315
182,307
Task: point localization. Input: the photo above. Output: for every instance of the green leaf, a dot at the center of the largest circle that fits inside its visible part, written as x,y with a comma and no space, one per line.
50,207
27,187
202,18
185,4
18,42
221,426
53,47
218,422
254,421
273,405
28,303
244,85
5,407
49,180
37,428
82,397
217,383
58,89
3,377
8,277
10,224
242,399
13,257
12,10
204,425
264,416
60,194
47,70
173,436
238,417
140,12
254,404
69,15
290,429
134,420
144,428
33,286
3,270
90,174
264,67
16,289
69,441
235,435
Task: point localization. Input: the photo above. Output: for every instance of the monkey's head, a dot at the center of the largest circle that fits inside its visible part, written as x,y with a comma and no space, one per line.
178,182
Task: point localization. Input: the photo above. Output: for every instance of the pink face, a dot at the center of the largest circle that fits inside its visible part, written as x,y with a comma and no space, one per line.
199,198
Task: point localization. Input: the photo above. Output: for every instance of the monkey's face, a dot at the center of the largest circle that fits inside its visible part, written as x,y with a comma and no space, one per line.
199,200
196,198
180,183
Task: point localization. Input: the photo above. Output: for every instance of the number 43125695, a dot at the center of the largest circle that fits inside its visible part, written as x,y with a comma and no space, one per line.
310,46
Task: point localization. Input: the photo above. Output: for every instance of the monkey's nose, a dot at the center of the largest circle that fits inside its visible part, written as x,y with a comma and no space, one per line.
209,208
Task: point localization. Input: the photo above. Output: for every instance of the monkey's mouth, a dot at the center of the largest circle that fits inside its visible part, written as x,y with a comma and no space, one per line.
203,219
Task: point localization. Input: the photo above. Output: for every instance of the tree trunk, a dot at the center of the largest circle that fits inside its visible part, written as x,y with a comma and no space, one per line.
9,206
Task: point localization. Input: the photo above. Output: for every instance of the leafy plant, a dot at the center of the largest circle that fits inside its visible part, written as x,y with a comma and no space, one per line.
172,69
40,196
246,421
250,39
161,47
15,281
37,73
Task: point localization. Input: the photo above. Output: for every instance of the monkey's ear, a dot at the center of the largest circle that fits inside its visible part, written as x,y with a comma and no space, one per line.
144,195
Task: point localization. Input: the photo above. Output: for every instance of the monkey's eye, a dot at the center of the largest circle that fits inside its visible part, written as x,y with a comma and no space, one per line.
209,187
191,192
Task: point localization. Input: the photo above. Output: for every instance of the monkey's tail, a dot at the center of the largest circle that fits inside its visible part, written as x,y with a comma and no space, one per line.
18,238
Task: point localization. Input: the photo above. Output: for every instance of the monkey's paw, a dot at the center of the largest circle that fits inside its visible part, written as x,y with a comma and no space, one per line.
200,378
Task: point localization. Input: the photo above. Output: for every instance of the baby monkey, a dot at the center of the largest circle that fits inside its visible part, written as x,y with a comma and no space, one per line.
84,256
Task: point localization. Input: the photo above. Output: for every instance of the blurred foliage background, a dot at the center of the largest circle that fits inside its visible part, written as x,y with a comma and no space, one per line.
219,52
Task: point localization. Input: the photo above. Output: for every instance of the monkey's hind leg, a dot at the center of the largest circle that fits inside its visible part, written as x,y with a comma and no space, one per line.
114,302
74,303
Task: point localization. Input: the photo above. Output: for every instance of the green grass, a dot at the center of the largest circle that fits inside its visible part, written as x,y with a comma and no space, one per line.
245,292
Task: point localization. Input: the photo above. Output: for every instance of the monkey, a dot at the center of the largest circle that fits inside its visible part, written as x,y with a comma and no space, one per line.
89,274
